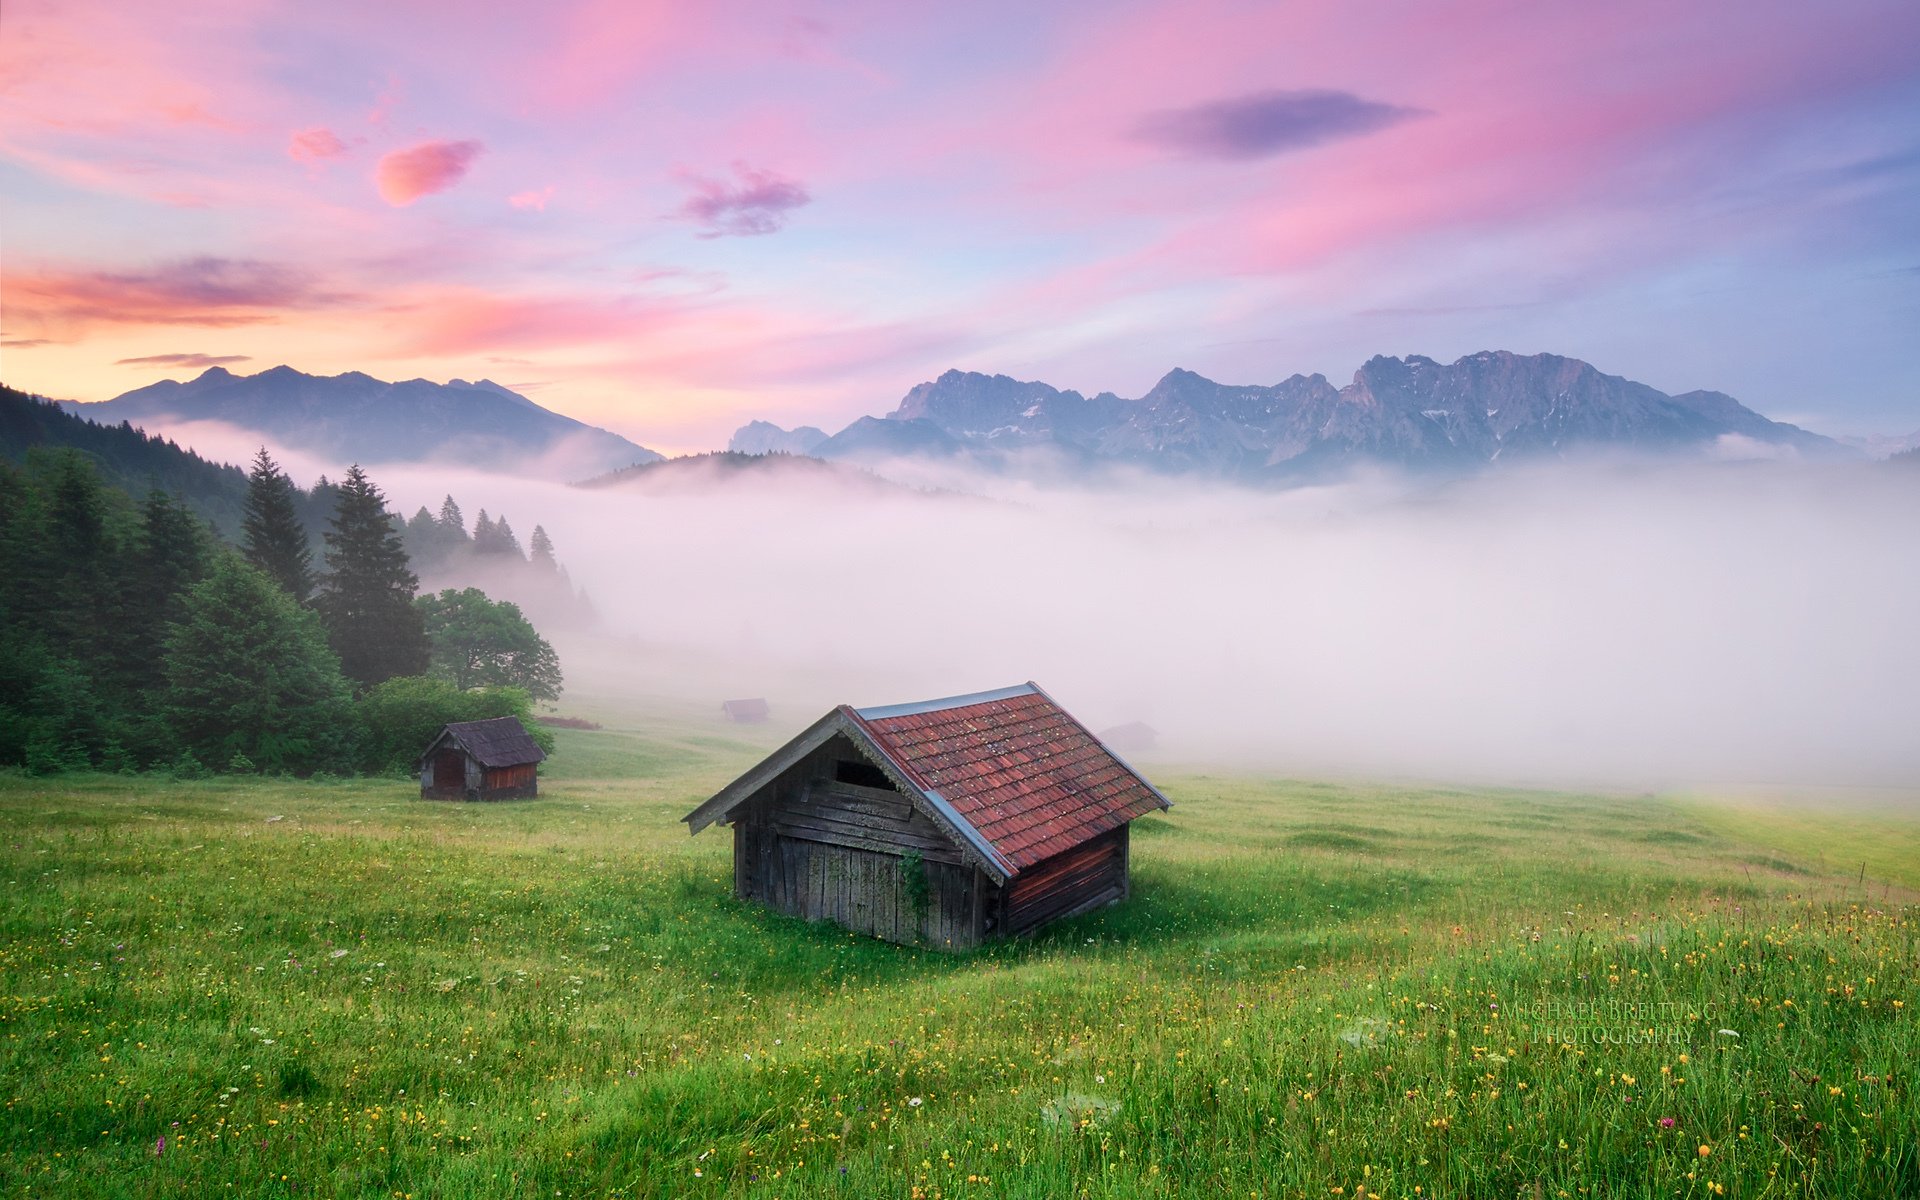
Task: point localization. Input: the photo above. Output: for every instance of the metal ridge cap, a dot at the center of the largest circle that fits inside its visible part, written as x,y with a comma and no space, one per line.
881,712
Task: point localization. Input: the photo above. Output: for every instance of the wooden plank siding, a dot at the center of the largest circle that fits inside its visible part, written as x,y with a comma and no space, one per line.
822,849
1068,884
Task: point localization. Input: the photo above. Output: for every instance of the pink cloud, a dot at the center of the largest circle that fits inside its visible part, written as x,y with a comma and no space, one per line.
310,145
404,176
206,291
534,199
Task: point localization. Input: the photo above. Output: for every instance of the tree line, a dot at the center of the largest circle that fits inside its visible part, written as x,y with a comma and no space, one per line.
438,546
132,637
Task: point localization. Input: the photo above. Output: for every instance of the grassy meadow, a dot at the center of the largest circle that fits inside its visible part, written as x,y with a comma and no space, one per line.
282,988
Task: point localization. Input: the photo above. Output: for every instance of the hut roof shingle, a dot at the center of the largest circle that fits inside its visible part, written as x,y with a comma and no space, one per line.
500,742
1016,767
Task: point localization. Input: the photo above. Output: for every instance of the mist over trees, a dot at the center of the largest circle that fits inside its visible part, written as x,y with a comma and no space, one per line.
490,558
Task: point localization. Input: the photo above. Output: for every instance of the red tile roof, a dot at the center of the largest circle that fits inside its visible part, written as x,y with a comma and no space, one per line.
1012,764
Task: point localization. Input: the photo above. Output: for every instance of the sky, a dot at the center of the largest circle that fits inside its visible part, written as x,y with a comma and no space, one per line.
668,219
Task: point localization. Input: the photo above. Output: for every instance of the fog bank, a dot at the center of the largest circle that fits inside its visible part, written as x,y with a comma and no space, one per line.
1632,626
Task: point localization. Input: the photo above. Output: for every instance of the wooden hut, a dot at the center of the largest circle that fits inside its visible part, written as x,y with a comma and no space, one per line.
745,712
481,760
1135,737
945,822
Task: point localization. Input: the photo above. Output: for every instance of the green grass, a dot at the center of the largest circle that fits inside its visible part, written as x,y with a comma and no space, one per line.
335,989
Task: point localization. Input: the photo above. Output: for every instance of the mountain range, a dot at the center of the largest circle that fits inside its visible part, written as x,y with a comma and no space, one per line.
357,418
1408,412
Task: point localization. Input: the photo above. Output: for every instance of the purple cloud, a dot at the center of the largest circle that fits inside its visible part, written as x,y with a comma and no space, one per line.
757,204
183,360
1267,123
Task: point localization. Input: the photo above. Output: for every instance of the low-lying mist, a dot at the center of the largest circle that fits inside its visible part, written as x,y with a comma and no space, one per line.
1634,626
1641,626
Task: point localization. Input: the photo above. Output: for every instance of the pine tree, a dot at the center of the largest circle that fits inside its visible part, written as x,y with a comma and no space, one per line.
174,550
492,536
421,537
274,539
451,519
504,542
543,552
367,604
175,553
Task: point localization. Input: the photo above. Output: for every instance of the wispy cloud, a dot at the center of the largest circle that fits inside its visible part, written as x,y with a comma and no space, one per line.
207,291
1264,124
534,200
758,204
406,175
312,145
183,360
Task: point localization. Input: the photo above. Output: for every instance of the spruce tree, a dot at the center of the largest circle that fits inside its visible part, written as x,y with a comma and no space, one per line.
451,519
367,602
421,537
504,542
543,551
274,540
175,553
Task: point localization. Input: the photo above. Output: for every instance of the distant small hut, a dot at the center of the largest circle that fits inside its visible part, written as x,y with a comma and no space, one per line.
746,712
481,760
1135,737
945,822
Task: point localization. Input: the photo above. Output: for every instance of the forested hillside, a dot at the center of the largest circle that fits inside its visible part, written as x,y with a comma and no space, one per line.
126,458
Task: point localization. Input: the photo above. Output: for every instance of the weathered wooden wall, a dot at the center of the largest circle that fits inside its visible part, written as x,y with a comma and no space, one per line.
501,783
1070,883
510,783
822,849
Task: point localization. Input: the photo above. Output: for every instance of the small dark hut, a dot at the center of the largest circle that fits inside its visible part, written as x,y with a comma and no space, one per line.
746,712
945,822
1135,737
481,760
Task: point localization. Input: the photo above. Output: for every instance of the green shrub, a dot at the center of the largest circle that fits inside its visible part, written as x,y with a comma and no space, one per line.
399,717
